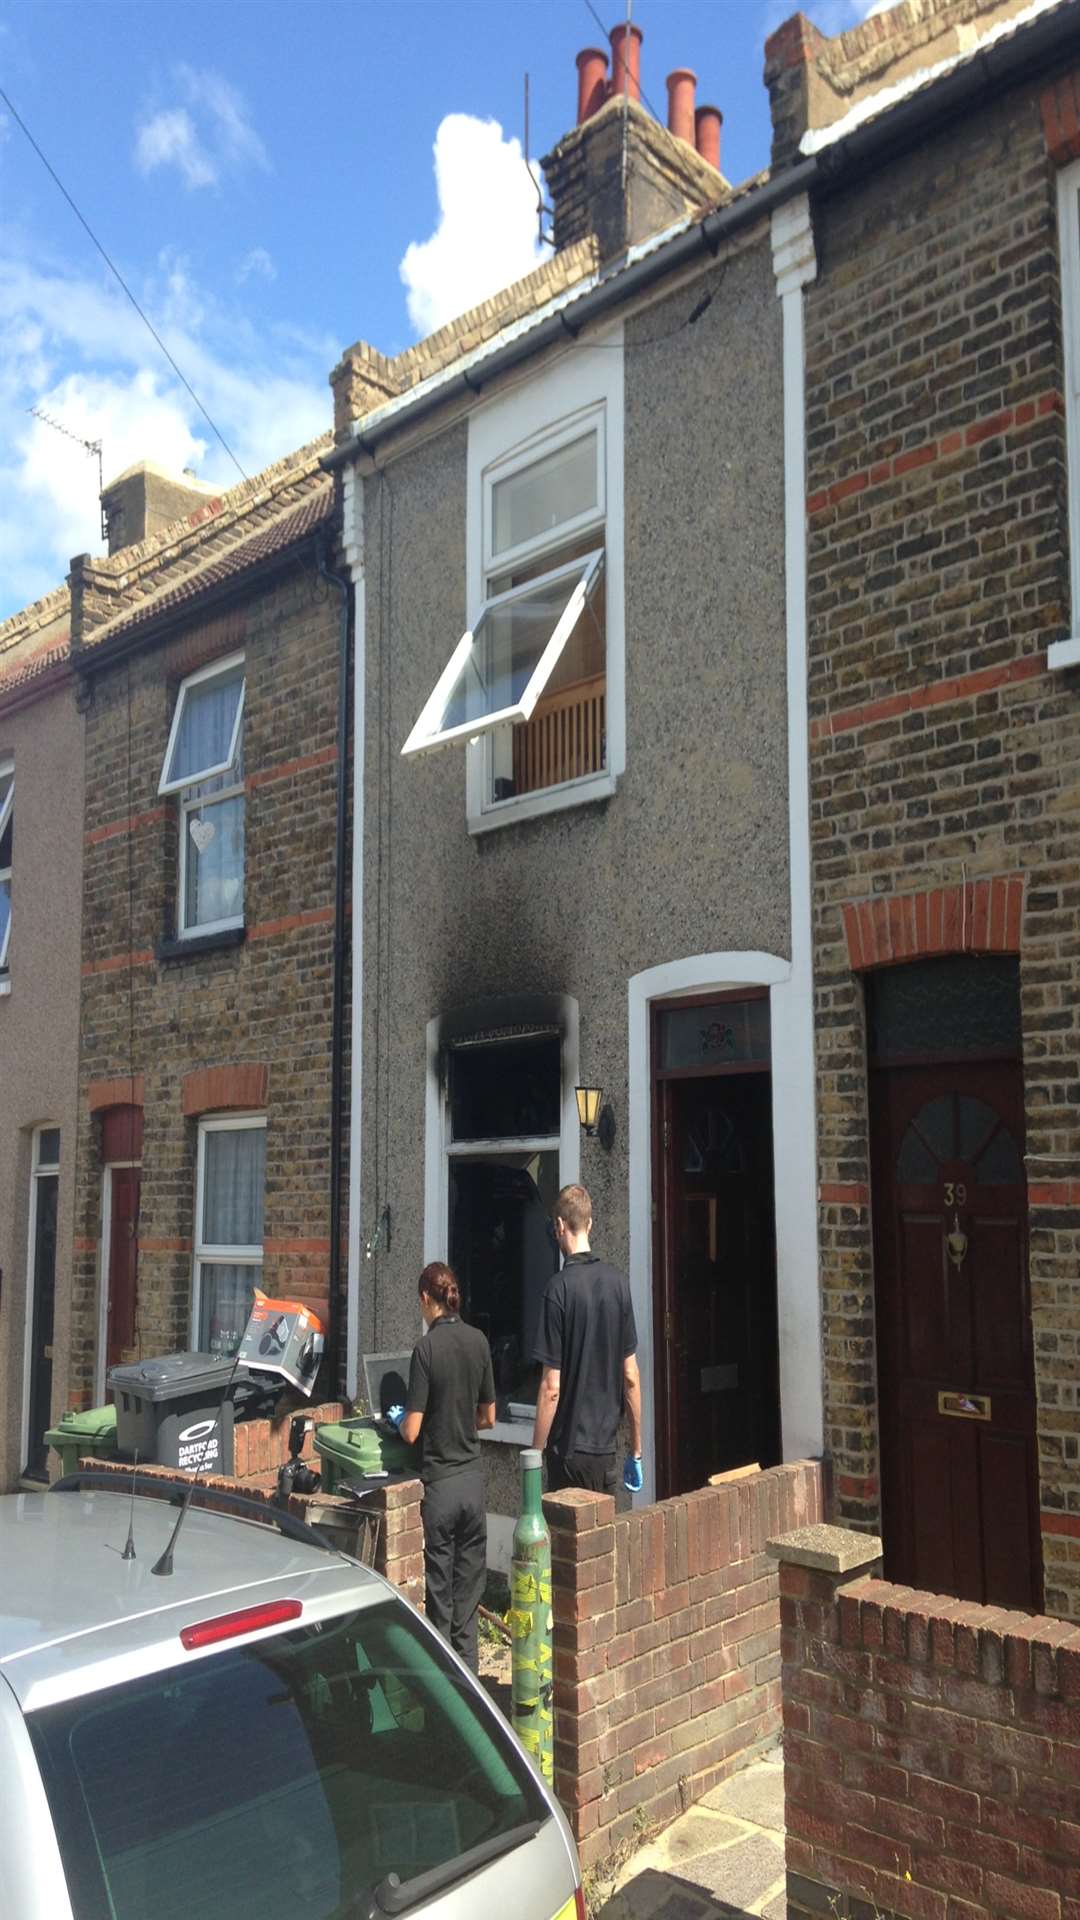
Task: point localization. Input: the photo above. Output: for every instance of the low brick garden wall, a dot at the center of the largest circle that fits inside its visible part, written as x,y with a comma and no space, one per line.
666,1645
931,1746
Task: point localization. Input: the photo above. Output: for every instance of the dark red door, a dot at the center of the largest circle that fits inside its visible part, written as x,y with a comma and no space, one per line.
123,1274
959,1466
718,1375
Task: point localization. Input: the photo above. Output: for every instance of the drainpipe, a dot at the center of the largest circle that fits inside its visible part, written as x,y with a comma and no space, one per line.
337,1021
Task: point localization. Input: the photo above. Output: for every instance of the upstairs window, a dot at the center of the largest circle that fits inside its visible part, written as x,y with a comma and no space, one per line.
530,675
204,767
7,830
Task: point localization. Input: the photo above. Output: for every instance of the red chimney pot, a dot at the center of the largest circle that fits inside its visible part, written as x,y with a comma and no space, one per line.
681,86
591,81
626,61
707,124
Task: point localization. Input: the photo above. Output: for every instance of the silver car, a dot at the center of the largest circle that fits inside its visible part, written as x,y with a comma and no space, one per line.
267,1732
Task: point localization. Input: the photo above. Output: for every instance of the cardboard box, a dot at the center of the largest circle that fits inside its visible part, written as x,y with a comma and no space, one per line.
283,1337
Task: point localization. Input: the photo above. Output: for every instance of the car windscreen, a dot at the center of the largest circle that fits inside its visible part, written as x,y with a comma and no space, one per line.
291,1776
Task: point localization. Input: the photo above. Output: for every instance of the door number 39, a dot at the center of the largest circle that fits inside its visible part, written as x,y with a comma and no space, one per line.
955,1193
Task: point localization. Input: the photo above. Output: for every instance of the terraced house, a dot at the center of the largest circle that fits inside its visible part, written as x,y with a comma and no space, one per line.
41,804
583,804
210,657
940,143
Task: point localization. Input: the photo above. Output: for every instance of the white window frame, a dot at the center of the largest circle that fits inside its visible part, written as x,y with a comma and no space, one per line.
1066,653
522,457
428,733
6,809
440,1148
212,1254
191,800
552,407
217,670
39,1170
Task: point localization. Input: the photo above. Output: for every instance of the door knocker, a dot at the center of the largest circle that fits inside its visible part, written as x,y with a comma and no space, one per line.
957,1244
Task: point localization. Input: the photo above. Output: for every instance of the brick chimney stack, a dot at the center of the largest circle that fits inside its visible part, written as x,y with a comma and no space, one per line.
144,498
620,175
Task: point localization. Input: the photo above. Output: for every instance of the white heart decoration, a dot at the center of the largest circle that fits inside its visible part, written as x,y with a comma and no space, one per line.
202,832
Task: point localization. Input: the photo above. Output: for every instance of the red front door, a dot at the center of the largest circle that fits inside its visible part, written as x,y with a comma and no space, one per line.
959,1468
122,1277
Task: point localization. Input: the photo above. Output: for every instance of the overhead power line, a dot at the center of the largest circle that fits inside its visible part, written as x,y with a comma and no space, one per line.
115,271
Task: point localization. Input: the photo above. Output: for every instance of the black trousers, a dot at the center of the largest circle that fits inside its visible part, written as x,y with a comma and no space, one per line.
455,1557
597,1472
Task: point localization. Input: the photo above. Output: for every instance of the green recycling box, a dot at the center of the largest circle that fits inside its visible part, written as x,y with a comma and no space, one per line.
77,1434
352,1449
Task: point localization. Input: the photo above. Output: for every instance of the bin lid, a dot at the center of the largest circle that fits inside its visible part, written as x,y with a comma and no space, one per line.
95,1421
175,1376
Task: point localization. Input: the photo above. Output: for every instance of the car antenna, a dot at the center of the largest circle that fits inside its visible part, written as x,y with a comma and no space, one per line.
164,1564
129,1552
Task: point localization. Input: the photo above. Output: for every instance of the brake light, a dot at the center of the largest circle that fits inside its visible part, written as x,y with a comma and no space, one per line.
229,1626
579,1902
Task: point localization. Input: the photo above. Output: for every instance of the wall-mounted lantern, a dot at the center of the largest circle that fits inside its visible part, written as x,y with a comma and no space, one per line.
597,1121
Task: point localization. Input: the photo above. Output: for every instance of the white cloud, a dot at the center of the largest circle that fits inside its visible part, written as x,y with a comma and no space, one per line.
258,262
71,345
169,139
487,231
207,136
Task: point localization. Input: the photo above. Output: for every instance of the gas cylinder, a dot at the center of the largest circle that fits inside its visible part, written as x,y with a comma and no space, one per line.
530,1621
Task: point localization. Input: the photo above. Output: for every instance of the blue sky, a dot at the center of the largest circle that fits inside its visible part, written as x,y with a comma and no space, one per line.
260,171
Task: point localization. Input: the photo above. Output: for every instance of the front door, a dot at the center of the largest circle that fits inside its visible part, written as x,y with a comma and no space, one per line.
716,1326
959,1467
122,1272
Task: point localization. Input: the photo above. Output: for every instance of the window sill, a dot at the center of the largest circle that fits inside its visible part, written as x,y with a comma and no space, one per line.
509,1433
532,806
1063,653
197,943
5,986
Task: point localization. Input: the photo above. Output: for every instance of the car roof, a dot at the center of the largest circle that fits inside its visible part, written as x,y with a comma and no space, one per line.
70,1602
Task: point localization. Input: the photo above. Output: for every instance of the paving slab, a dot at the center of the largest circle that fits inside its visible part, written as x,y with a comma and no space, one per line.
741,1874
756,1795
722,1860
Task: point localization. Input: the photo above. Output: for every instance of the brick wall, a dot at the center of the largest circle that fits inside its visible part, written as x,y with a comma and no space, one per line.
943,753
666,1645
931,1747
261,1009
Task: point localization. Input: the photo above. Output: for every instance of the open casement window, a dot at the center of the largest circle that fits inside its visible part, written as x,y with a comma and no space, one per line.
502,1166
7,831
204,767
505,661
528,680
229,1197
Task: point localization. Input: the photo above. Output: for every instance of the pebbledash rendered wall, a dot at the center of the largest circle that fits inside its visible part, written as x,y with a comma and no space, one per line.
666,1645
931,1746
241,1027
577,902
945,757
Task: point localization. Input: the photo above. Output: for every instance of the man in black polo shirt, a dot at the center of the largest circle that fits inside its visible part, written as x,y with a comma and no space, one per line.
587,1344
451,1397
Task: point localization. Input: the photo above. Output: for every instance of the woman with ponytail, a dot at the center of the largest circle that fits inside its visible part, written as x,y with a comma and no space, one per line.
451,1398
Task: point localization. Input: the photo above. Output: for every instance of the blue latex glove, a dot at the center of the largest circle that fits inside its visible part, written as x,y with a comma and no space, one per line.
395,1415
632,1477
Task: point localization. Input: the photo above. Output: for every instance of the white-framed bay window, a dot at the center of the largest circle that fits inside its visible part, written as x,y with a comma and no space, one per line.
230,1188
1066,653
204,768
7,835
534,687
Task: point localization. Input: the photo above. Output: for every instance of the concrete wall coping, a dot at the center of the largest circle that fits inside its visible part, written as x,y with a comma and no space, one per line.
828,1549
